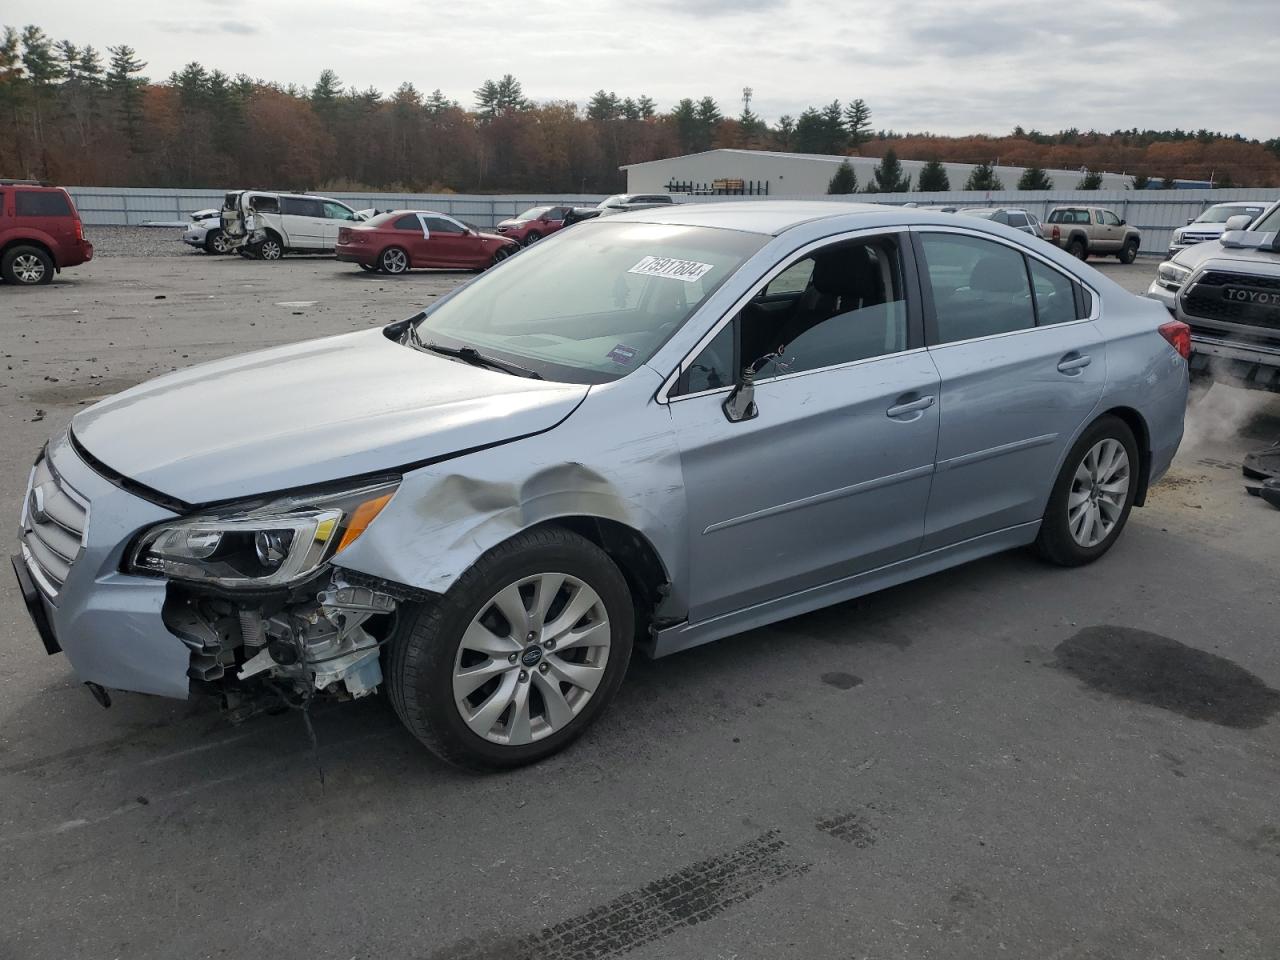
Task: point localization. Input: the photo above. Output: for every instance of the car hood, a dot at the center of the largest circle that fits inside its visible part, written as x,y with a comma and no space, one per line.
486,235
1241,257
1213,228
310,413
511,223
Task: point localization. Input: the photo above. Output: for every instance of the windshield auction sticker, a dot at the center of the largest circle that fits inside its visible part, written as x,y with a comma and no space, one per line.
686,270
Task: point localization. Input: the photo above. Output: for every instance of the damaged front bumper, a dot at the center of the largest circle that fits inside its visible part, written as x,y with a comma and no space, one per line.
154,635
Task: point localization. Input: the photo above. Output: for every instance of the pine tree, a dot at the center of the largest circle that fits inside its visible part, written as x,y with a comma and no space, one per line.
1141,181
857,120
983,177
487,100
785,130
1090,181
834,137
324,95
604,106
511,95
125,82
1034,178
933,178
437,103
648,109
1168,183
845,179
809,133
888,176
685,118
630,109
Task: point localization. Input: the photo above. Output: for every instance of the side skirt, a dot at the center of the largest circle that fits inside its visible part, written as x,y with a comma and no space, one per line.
685,635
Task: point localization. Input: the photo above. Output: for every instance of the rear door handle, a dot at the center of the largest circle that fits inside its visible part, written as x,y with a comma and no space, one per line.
911,406
1073,362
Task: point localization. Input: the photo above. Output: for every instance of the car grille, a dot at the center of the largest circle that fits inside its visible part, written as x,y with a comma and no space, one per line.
54,519
1205,299
1198,237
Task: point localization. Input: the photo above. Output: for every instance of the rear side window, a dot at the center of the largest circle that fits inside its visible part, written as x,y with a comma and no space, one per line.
1055,294
408,222
1017,219
980,288
265,204
42,203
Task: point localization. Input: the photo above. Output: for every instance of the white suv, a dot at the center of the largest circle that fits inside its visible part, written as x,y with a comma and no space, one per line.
267,225
1212,222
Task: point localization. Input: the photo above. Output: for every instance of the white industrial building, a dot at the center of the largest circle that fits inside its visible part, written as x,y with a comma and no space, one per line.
807,174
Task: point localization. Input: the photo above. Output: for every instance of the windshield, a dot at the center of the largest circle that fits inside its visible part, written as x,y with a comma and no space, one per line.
533,213
1270,223
1223,213
614,201
593,303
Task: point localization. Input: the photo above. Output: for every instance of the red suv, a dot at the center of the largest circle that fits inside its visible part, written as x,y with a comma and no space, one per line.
40,232
534,224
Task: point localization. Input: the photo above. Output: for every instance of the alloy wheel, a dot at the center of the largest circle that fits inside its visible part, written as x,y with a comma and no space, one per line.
270,250
221,243
1099,490
28,268
531,659
395,261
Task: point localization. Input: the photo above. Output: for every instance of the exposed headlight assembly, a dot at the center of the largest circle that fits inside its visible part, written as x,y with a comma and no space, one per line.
270,545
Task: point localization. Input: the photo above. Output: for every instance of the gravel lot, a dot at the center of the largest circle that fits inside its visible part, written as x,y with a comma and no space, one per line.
1002,760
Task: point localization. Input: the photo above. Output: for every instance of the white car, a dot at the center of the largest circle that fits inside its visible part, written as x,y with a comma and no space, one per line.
205,232
1210,224
268,225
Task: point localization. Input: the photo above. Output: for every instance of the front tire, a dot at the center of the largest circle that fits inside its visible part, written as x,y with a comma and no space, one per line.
1092,496
532,237
519,657
1129,252
499,255
27,266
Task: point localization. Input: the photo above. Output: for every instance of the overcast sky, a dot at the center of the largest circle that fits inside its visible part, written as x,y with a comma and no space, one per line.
949,66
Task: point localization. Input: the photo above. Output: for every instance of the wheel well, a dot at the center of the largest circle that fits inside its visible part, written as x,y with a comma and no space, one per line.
1134,421
23,242
1081,236
635,556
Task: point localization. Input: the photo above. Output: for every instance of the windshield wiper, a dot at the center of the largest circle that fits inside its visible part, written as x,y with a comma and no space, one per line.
477,359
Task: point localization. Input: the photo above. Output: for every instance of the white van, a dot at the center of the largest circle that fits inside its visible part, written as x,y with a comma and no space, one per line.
268,225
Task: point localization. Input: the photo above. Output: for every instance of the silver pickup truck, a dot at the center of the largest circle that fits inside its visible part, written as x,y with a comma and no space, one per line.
1228,292
1083,230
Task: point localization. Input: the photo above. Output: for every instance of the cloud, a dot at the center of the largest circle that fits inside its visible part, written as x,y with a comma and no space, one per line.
722,8
238,27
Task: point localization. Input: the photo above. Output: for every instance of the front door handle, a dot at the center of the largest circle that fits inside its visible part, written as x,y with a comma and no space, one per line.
910,406
1074,362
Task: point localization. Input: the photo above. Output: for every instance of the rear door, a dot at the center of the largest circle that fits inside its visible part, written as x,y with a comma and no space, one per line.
304,223
1021,372
49,212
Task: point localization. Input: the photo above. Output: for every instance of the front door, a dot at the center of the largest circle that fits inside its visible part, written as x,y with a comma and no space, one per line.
831,475
446,242
336,216
1021,374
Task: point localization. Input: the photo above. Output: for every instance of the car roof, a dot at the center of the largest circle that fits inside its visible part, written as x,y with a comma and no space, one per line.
773,217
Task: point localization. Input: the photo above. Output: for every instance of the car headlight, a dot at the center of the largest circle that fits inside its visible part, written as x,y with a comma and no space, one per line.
1172,275
1177,235
267,545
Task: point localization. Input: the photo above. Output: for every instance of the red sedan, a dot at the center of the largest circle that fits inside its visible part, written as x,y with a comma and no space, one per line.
534,224
393,242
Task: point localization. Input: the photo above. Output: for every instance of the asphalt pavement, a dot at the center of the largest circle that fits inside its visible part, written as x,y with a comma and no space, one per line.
1005,759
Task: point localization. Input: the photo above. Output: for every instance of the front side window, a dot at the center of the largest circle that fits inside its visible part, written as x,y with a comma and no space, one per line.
1270,223
533,213
594,305
336,211
979,287
441,225
42,203
1110,219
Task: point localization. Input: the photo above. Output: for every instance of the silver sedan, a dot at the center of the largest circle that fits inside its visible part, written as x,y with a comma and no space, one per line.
647,433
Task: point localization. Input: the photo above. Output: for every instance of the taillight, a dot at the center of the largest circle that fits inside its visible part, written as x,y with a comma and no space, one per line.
1179,336
1057,234
79,229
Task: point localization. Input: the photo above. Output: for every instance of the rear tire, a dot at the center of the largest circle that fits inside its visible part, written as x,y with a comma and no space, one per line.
393,260
1129,252
1078,249
437,642
270,249
1092,496
27,266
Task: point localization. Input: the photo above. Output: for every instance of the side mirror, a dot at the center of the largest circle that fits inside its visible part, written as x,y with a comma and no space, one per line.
740,404
1190,221
1240,221
1123,222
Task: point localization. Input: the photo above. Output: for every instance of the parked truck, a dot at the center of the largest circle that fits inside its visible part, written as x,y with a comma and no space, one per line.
1084,231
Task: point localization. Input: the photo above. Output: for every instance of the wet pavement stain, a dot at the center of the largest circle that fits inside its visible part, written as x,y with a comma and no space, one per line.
849,827
1152,669
841,681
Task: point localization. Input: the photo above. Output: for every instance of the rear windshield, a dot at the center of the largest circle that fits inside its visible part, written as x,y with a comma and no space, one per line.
42,203
595,302
1069,216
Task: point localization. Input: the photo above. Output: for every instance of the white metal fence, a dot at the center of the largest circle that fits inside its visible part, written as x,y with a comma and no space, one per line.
1155,212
